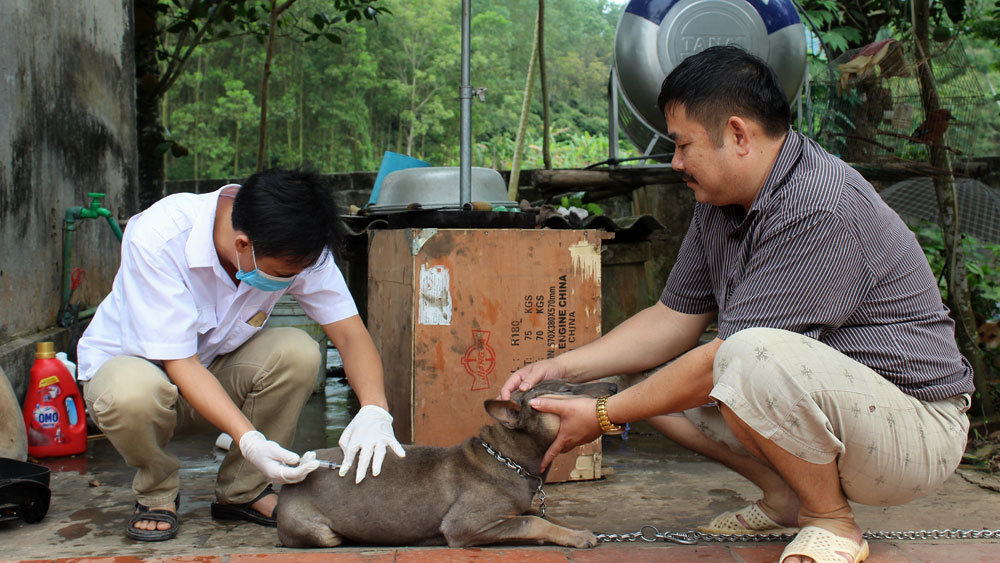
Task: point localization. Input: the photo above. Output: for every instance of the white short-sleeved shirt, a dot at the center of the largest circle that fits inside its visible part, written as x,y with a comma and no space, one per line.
172,299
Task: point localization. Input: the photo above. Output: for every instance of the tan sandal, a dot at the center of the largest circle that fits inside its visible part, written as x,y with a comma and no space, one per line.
823,546
757,522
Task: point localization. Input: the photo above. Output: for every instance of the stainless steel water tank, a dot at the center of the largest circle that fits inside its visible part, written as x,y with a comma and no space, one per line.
654,36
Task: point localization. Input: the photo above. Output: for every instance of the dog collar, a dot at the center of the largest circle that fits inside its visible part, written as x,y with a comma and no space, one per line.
511,464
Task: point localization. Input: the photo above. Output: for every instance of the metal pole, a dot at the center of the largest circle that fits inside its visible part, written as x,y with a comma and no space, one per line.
613,118
465,95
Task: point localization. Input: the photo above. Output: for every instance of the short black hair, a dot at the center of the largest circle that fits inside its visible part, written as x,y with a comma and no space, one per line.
289,214
723,81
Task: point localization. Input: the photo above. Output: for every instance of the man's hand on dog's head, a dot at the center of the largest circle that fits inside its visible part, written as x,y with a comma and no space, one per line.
529,376
577,423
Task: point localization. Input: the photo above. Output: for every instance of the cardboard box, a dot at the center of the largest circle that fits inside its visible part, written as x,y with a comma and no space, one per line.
454,312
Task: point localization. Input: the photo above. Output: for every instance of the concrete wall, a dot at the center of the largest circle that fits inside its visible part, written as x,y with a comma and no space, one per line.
67,109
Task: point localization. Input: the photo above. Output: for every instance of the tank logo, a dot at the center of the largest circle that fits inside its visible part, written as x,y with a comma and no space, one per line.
698,43
479,360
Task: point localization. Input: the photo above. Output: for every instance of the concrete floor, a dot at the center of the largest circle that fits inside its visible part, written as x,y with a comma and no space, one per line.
652,482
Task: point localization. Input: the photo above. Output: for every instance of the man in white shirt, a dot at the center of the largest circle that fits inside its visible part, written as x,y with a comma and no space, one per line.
179,346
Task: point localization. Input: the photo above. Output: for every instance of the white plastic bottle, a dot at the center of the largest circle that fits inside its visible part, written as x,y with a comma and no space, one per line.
70,366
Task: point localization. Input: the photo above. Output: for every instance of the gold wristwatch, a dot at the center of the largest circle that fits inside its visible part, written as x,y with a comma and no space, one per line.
607,426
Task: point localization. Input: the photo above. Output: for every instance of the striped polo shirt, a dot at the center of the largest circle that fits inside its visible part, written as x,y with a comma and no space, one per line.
819,253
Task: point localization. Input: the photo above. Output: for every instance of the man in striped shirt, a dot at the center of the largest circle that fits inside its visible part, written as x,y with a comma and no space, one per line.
834,375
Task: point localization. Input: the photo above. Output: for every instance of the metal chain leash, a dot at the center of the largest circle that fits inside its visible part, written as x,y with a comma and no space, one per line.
520,471
649,533
946,534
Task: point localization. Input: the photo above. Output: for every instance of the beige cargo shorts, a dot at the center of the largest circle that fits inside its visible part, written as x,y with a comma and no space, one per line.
820,405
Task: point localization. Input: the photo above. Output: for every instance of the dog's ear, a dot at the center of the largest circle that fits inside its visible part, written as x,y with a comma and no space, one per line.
505,412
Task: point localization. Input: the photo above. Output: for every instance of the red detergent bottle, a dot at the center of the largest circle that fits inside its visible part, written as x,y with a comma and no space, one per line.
53,408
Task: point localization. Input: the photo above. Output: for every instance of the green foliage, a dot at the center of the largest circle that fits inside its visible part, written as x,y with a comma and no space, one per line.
570,149
987,25
188,24
576,200
392,86
845,24
982,264
341,93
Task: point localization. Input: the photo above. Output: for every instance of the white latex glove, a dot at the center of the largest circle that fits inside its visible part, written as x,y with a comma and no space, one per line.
367,436
278,464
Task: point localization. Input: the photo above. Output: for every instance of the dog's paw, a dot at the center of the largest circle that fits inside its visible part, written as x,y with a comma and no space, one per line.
582,539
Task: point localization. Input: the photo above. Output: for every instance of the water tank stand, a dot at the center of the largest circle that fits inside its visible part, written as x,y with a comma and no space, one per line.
613,115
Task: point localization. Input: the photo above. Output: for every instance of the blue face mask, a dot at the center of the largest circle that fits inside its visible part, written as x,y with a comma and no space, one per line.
258,279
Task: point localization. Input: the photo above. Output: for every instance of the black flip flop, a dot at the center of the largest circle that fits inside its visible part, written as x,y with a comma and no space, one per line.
244,513
143,512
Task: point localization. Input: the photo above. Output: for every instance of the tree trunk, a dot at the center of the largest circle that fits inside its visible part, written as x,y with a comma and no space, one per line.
147,104
290,124
262,134
959,297
546,124
413,113
197,136
236,150
236,139
522,127
165,116
399,134
302,109
276,11
152,83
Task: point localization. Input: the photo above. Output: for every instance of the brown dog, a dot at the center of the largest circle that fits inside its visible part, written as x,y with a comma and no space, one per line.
459,496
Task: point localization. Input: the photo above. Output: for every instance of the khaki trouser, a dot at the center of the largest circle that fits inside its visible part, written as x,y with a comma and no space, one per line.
821,406
134,403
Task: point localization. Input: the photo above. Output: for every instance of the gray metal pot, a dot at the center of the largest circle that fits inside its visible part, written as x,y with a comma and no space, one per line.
437,187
